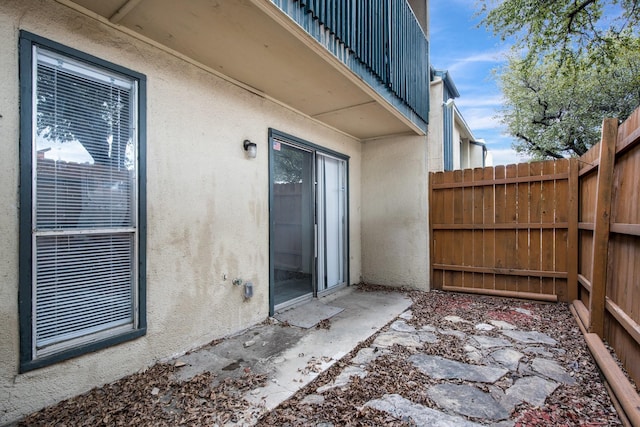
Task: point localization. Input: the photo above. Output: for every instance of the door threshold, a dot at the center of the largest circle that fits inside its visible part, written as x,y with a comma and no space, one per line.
331,290
292,302
327,294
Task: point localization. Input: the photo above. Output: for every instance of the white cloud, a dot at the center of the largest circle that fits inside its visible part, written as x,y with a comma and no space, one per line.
481,119
506,156
480,101
483,122
492,56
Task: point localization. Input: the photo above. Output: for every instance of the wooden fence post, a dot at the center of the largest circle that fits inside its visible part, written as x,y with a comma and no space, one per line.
572,232
604,190
430,204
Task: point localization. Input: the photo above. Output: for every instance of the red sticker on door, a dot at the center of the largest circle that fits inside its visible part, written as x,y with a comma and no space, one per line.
276,145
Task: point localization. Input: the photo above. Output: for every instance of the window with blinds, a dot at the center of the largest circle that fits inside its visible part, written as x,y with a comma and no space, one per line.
84,203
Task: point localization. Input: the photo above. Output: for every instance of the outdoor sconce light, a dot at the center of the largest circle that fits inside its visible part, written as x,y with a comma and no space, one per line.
251,148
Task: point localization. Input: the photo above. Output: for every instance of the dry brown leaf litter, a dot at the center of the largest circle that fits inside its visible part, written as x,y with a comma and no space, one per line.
153,398
584,404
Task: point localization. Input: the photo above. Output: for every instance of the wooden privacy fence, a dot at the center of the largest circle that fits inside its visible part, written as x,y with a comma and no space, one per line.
608,301
565,230
503,230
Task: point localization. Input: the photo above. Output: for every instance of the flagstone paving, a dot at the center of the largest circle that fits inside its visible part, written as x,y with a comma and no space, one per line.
442,368
456,360
406,410
517,359
468,400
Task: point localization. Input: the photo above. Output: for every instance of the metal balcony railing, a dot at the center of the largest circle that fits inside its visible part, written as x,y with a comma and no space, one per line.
383,35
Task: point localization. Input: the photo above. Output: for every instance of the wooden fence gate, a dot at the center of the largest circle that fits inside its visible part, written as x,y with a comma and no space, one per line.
503,230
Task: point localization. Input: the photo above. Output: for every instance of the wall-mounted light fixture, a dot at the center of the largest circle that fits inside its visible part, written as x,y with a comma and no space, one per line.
251,148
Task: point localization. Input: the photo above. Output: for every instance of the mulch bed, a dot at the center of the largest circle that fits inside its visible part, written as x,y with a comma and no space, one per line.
153,398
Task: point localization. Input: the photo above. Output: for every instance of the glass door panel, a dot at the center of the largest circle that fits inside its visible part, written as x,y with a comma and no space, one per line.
331,221
292,223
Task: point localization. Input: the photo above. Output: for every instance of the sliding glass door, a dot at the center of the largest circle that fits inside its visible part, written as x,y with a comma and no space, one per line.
292,219
309,217
331,221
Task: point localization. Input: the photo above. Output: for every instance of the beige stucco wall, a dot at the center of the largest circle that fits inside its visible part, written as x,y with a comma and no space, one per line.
207,204
395,212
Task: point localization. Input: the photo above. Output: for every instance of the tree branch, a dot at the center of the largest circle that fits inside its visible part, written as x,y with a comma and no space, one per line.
538,148
572,15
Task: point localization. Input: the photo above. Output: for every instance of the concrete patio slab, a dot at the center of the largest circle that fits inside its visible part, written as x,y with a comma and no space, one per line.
363,315
308,314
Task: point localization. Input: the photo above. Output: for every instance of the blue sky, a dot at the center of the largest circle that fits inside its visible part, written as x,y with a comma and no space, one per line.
470,54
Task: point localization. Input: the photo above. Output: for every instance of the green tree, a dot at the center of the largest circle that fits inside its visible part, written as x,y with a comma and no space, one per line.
574,62
555,109
563,28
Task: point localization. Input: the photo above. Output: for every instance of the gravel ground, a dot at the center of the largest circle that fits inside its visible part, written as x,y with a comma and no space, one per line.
152,398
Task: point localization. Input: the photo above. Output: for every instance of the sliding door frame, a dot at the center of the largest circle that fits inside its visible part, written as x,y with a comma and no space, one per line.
276,136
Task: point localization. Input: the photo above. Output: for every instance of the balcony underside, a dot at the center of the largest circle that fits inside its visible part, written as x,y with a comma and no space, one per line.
256,44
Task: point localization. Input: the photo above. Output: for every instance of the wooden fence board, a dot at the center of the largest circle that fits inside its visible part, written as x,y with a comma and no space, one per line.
601,229
489,236
446,240
456,250
466,239
522,248
478,234
435,215
585,246
500,217
458,201
547,214
561,236
572,232
510,217
535,235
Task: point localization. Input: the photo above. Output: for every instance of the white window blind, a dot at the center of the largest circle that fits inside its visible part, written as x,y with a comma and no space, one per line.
85,203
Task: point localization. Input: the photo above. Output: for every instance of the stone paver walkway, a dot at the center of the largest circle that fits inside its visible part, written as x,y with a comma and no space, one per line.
466,394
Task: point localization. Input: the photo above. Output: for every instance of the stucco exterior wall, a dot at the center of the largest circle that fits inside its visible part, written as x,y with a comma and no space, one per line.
207,212
395,212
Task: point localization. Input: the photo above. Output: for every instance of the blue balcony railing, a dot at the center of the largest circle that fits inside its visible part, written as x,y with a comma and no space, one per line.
382,36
